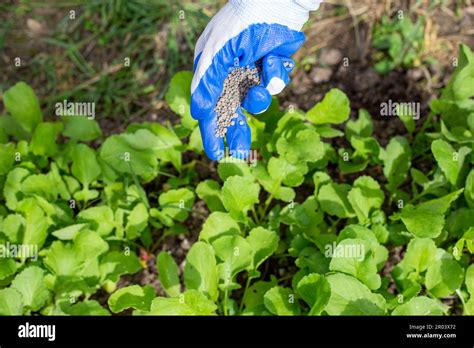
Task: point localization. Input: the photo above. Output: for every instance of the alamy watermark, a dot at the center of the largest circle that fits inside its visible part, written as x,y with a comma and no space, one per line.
239,156
353,250
19,251
397,109
75,109
28,330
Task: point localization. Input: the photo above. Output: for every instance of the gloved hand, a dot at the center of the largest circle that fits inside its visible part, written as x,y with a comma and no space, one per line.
242,33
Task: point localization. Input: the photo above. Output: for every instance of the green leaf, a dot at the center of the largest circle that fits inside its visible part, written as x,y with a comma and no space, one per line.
350,297
36,222
420,254
287,173
7,267
239,195
334,109
62,260
132,153
469,189
271,185
362,127
80,128
99,219
235,253
115,263
444,277
42,185
178,97
263,243
470,280
315,290
195,141
461,82
427,219
88,245
66,286
12,189
85,308
326,131
419,177
137,221
84,164
333,200
10,127
407,116
168,145
365,148
458,133
210,192
365,197
301,146
459,222
43,142
68,232
396,161
281,301
312,259
360,232
7,158
449,160
191,302
303,218
168,273
133,296
420,306
29,283
217,225
176,203
12,227
256,292
79,258
21,102
353,257
200,271
10,302
235,167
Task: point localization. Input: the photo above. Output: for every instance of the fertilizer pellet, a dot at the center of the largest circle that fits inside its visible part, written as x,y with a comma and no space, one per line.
236,86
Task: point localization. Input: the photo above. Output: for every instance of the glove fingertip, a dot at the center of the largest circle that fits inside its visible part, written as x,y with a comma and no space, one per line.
239,138
258,100
213,145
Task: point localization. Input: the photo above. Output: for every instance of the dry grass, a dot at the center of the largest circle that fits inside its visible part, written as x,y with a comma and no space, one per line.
349,23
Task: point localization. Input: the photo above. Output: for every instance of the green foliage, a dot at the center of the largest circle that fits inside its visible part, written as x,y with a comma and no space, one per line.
80,128
131,297
427,219
200,272
420,306
351,297
29,283
333,109
23,107
168,272
178,97
399,42
280,301
95,212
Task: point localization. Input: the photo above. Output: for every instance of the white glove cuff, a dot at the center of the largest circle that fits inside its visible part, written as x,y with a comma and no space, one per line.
291,13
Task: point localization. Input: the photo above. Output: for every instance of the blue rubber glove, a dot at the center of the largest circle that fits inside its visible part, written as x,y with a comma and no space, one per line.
242,33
